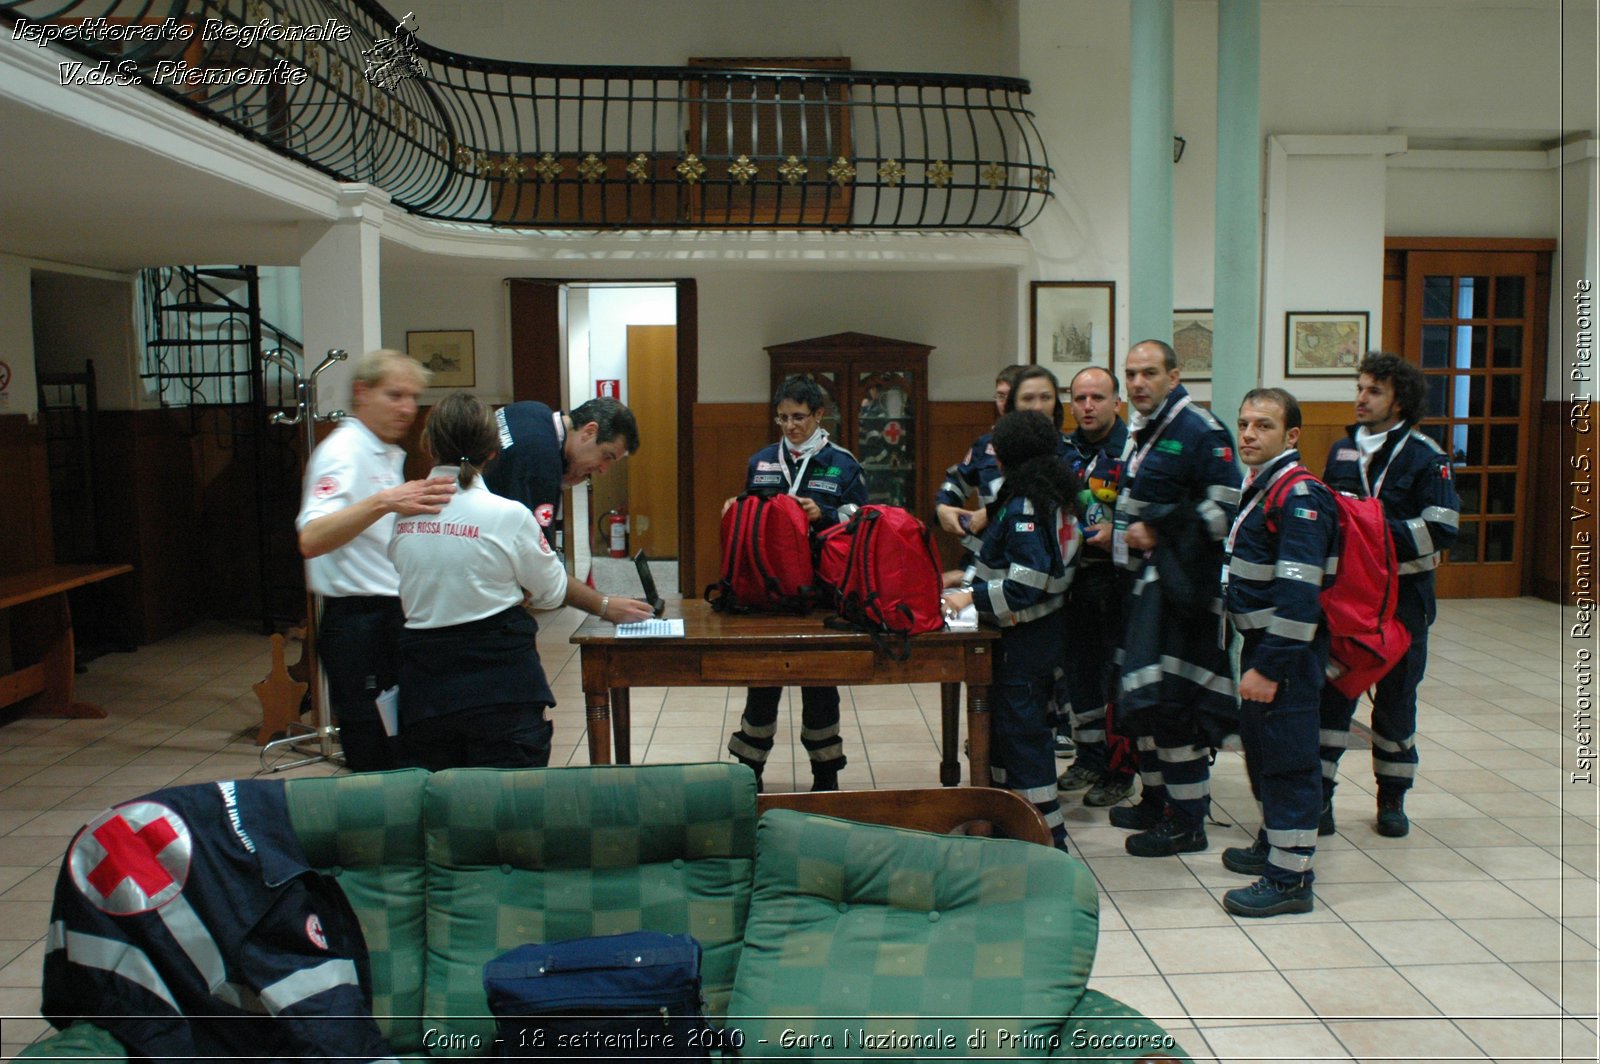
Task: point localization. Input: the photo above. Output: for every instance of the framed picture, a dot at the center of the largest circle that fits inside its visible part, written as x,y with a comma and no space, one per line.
1324,344
1073,325
448,354
1191,339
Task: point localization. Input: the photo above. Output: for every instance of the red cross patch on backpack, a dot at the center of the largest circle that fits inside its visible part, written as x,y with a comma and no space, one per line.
1366,639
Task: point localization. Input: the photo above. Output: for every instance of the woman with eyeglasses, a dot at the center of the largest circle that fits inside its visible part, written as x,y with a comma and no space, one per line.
828,484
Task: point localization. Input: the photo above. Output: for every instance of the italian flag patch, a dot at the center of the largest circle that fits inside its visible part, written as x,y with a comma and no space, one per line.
1302,512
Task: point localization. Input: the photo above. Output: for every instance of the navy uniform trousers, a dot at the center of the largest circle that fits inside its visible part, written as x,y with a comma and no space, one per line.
1281,756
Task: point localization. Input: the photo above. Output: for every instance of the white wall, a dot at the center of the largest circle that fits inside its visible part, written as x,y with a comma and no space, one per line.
611,311
21,394
438,300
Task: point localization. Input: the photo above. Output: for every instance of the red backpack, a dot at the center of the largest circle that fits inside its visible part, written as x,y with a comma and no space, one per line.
884,569
1366,639
766,557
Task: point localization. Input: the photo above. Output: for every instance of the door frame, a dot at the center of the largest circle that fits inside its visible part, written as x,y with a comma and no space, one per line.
1394,331
535,336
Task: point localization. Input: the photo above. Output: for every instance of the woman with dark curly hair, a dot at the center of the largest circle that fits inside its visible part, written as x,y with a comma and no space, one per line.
1019,583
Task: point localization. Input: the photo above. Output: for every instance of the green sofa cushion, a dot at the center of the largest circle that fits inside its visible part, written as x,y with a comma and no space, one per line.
366,831
933,941
545,855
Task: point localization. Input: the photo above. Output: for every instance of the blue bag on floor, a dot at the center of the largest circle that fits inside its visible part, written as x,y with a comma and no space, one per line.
617,997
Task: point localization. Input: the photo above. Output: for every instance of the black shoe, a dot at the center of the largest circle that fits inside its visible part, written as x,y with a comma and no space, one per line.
754,766
1167,839
1141,817
1248,860
1392,820
1064,746
1325,824
1266,898
1077,778
824,779
1109,791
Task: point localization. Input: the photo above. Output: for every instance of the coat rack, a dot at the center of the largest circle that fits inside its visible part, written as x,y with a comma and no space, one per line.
315,741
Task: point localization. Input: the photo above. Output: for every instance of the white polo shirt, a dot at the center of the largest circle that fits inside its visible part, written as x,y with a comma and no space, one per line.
351,464
473,559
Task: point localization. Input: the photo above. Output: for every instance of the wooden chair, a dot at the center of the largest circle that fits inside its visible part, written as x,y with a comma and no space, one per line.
942,810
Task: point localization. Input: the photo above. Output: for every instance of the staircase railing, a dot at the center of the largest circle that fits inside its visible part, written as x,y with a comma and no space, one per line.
753,145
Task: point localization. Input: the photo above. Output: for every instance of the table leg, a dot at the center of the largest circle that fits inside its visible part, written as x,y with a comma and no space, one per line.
41,632
950,741
622,724
597,706
978,734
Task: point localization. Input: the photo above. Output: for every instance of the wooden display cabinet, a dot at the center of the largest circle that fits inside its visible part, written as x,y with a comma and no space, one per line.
877,408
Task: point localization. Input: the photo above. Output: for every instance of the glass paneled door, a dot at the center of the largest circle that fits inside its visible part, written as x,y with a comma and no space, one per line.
1470,325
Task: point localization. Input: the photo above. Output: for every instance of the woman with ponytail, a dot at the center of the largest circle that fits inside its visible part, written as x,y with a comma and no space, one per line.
472,691
1019,583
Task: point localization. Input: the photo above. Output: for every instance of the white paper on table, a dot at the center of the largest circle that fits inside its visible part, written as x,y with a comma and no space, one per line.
966,619
669,628
389,711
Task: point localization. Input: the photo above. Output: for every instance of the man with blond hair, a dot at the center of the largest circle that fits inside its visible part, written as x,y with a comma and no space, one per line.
355,486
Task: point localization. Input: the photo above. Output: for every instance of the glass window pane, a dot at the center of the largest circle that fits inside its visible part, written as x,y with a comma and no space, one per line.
1470,487
1507,346
1475,387
1502,493
1503,444
1436,403
1474,435
1507,401
1436,297
1498,539
1508,293
1472,346
1473,299
1435,347
1465,548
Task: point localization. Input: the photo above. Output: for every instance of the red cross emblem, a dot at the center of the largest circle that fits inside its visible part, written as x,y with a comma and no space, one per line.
132,859
892,432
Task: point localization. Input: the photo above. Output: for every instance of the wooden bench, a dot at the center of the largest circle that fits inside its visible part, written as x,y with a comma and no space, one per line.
41,638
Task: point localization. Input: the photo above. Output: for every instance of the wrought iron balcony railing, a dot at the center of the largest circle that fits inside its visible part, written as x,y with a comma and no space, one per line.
740,144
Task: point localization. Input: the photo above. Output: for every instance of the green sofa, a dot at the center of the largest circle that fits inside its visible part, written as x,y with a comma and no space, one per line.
818,933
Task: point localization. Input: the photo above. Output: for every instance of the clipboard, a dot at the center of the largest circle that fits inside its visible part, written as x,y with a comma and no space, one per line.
648,582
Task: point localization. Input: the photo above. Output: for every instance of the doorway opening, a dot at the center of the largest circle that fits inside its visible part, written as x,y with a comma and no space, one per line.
576,340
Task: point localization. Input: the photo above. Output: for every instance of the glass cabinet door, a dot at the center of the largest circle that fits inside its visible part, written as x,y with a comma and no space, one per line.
886,435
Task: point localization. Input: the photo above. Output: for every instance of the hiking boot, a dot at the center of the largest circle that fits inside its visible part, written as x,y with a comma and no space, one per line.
1266,898
1064,745
1325,824
824,779
1077,778
1248,860
1167,839
1392,813
1109,791
754,766
1141,817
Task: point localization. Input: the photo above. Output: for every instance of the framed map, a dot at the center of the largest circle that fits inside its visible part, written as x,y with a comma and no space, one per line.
1325,343
1191,339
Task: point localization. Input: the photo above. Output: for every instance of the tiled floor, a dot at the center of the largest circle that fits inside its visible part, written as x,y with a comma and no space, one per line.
1473,938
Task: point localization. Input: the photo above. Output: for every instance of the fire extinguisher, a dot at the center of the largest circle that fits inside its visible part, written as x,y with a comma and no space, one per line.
615,522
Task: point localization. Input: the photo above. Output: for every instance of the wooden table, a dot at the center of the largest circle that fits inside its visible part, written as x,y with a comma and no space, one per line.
41,638
750,650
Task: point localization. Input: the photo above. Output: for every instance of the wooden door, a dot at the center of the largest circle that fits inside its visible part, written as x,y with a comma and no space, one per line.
653,472
1472,320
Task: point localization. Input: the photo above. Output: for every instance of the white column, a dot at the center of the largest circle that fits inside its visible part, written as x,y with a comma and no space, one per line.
339,289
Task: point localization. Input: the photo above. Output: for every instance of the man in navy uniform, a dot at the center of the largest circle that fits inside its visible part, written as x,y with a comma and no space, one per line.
1387,458
1094,604
543,451
1275,566
1178,698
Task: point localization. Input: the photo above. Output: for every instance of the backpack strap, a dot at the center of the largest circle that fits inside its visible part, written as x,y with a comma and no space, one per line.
1272,502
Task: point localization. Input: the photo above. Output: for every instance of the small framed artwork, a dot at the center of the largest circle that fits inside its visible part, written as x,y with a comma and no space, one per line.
1325,343
448,354
1191,339
1073,325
